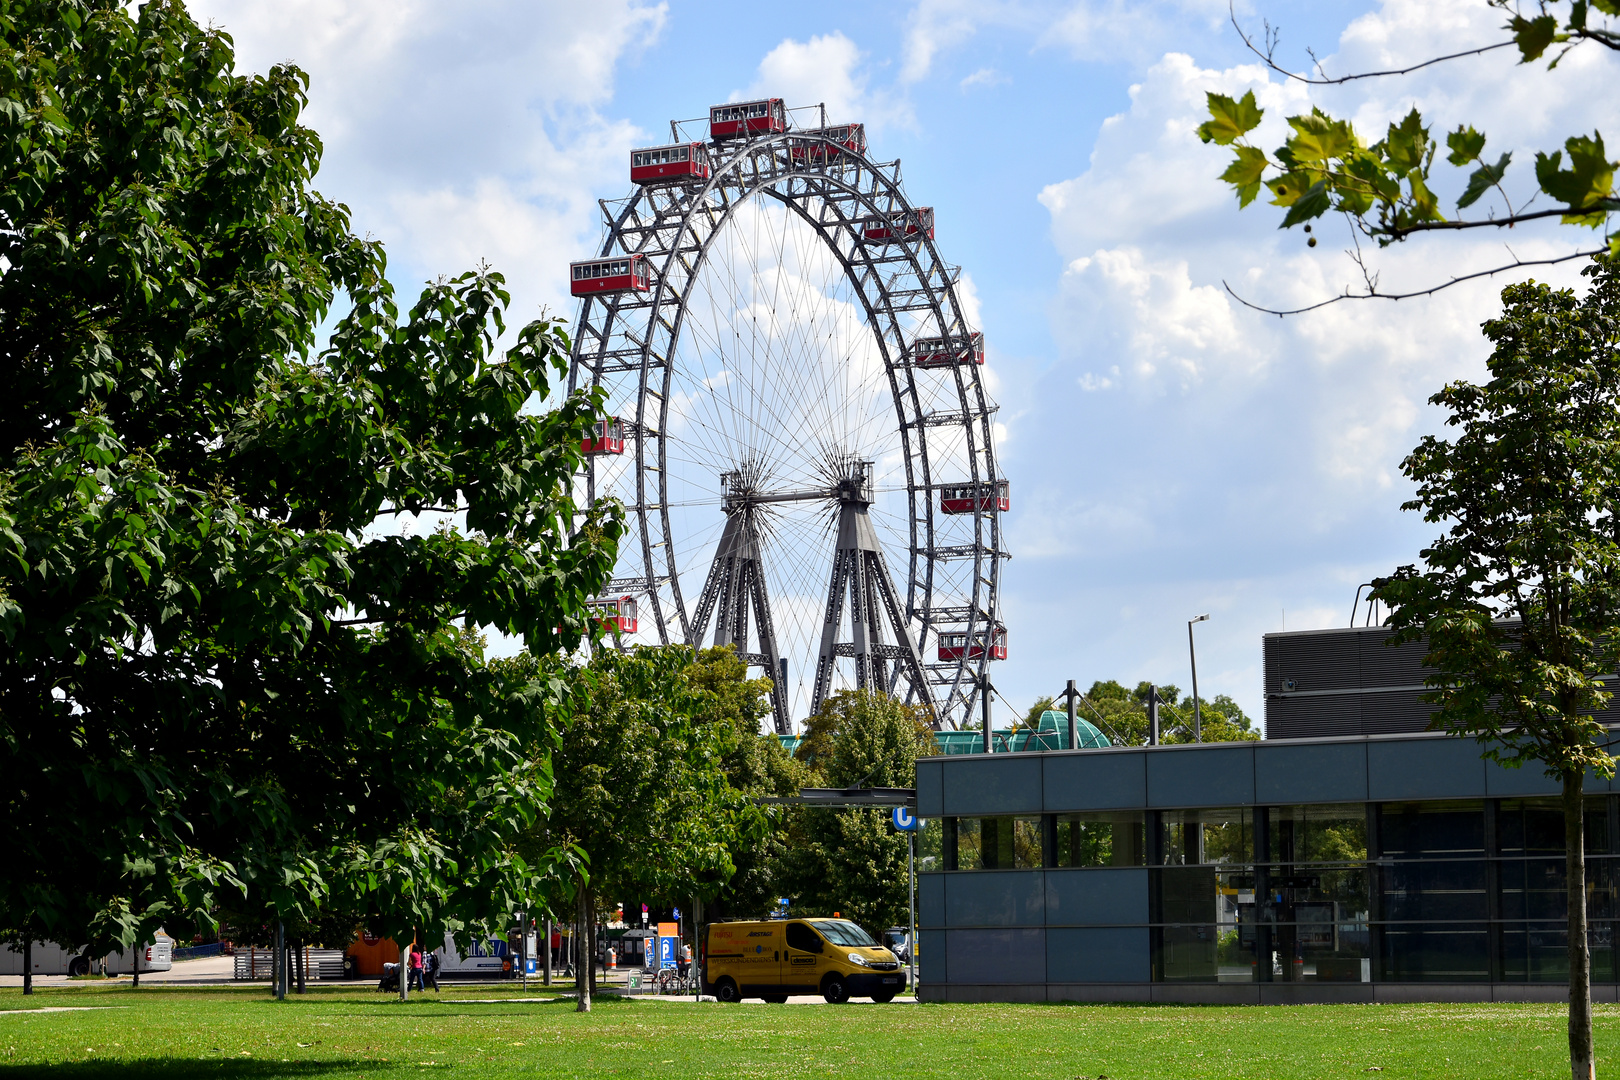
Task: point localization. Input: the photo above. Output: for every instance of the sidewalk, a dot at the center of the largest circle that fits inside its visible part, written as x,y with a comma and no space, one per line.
208,970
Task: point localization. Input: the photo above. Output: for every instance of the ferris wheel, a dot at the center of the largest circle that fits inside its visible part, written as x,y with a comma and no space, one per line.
800,432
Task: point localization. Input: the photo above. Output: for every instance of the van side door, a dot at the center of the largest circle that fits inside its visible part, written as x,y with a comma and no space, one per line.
802,960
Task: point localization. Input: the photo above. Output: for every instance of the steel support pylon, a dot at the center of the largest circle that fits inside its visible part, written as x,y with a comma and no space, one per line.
735,584
860,573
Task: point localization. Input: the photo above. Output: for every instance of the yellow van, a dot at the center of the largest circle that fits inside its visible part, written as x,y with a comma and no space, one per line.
771,960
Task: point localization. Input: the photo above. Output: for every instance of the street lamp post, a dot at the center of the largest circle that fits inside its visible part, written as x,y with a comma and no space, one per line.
1192,653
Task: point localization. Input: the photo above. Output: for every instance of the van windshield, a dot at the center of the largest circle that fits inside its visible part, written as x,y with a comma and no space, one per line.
843,932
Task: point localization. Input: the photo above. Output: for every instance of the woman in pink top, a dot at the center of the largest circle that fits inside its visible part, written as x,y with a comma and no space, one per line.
416,968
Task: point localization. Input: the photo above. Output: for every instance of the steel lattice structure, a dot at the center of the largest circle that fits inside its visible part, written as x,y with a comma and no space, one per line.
769,396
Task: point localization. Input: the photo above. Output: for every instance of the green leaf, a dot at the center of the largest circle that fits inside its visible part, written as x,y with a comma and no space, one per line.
1230,120
1244,173
1313,203
1407,144
1533,36
1585,184
1482,180
1465,144
1319,139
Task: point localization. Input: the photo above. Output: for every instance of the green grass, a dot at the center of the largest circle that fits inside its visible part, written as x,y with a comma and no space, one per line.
239,1034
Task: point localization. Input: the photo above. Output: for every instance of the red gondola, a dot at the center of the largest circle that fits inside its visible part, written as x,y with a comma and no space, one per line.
973,498
607,437
744,119
617,615
850,137
954,644
669,164
940,352
626,273
909,225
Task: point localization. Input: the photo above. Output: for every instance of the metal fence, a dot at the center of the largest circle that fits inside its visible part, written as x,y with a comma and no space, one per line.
254,962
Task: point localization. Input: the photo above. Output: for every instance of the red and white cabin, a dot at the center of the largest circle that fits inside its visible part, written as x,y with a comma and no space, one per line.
745,119
669,164
607,437
845,137
954,644
943,352
617,615
974,498
625,273
908,225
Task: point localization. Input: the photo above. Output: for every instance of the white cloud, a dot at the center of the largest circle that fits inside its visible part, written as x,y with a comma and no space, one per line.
984,77
827,69
1202,453
460,133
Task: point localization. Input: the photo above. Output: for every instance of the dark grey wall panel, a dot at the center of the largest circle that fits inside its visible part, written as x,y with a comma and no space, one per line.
1287,773
931,957
1443,768
995,898
1095,780
992,784
1528,779
996,956
930,899
1119,954
1096,896
929,788
1207,775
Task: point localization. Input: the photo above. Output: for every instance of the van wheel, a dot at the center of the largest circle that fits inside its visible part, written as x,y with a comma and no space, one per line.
776,999
725,990
79,965
834,989
882,999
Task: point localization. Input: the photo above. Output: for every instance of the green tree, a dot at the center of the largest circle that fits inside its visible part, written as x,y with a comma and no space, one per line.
1122,714
1386,189
854,861
642,795
1519,598
216,678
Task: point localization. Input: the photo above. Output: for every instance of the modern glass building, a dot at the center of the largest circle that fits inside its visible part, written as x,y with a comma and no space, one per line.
1383,867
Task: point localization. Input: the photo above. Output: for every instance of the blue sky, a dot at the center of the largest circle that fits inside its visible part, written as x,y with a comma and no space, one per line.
1170,452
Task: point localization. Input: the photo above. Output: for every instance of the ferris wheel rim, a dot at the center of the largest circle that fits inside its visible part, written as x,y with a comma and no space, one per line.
944,311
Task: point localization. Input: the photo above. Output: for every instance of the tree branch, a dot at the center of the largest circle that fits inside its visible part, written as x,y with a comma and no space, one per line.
1266,54
1348,295
1401,232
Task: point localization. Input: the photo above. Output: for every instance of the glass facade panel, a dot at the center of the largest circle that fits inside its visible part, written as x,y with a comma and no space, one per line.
997,843
1106,838
1437,892
1434,952
1221,836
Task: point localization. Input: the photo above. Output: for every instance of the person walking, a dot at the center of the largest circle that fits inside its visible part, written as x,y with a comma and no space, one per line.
416,968
432,964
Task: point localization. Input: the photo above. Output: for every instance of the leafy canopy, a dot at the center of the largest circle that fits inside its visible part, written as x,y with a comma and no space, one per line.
1519,599
221,672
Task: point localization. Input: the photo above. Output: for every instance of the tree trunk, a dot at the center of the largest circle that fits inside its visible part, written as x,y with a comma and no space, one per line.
303,961
591,939
582,982
547,951
28,966
405,968
1582,1056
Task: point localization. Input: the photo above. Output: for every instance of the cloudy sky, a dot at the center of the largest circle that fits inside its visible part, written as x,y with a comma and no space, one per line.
1171,452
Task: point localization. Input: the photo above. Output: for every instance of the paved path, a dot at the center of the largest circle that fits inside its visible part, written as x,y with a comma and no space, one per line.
210,969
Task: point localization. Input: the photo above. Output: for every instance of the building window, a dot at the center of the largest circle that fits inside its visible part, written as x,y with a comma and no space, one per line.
1193,837
1105,838
998,843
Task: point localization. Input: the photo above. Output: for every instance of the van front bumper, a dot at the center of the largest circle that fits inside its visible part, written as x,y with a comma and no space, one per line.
869,984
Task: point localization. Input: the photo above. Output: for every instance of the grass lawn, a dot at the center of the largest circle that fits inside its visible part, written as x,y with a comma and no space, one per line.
342,1033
